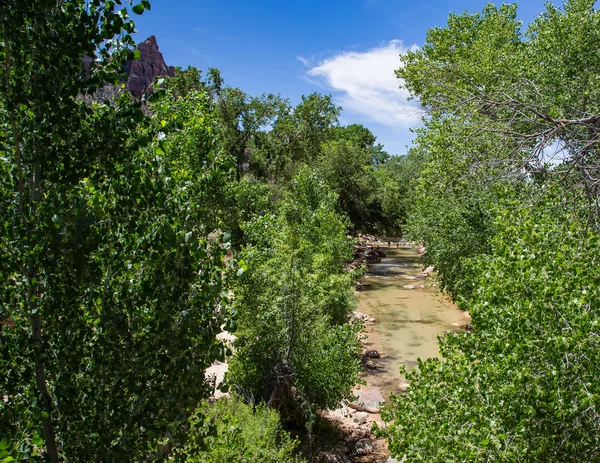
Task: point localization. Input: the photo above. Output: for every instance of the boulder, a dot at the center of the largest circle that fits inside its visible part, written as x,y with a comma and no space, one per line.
368,401
372,259
428,271
379,252
333,456
359,316
361,417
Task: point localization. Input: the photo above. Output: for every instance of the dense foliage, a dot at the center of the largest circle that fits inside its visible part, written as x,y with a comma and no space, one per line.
116,266
514,238
112,292
296,350
522,386
133,233
229,430
502,101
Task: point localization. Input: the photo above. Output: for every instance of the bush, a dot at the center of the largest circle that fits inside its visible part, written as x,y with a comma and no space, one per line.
231,431
523,386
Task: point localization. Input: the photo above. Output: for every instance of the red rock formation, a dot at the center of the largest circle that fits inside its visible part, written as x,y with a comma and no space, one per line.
141,72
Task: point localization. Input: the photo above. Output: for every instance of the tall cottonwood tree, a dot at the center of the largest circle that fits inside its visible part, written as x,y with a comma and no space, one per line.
111,292
295,349
295,139
532,91
43,47
519,387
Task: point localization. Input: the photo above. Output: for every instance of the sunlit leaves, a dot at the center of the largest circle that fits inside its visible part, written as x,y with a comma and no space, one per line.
120,256
293,301
520,387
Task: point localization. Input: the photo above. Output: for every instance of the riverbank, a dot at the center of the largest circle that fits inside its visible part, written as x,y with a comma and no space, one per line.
403,317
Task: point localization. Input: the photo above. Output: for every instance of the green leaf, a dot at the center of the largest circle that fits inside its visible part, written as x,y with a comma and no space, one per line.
138,9
137,54
4,443
37,440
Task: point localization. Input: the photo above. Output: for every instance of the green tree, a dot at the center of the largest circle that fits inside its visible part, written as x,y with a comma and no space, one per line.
240,117
396,180
522,386
230,430
348,169
295,349
185,81
112,294
43,49
519,387
295,139
529,90
360,136
452,201
244,201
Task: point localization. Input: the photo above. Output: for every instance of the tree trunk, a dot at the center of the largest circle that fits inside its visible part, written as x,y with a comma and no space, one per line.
40,380
36,321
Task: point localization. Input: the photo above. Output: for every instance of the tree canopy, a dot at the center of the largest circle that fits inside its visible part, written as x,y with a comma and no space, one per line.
512,236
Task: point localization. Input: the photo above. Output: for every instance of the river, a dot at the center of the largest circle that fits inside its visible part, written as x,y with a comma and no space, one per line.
409,315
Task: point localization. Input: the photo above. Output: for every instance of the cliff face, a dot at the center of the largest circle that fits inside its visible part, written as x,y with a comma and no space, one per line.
141,72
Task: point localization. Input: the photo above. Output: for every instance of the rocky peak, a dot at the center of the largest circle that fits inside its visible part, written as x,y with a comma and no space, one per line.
141,72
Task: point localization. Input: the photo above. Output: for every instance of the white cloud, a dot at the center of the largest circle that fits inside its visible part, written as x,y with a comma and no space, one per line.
303,60
366,84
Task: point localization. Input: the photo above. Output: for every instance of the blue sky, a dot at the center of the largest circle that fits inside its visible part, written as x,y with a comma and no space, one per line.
345,48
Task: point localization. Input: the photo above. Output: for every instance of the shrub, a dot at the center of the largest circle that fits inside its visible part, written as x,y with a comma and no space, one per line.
229,430
523,386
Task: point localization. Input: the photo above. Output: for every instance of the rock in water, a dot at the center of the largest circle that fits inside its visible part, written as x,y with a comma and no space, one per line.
379,252
372,353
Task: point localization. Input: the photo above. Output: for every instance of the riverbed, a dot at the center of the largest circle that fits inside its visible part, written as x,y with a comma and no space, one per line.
409,316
